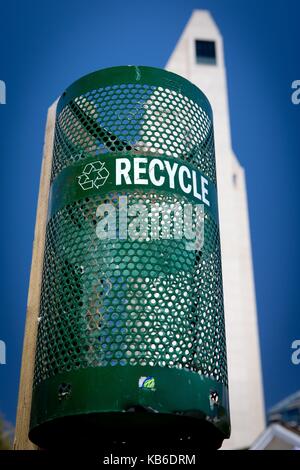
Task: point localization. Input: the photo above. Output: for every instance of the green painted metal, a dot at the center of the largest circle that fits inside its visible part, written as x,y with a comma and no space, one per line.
114,391
131,326
70,177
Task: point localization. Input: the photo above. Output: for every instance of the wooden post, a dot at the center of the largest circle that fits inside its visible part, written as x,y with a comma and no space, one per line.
21,441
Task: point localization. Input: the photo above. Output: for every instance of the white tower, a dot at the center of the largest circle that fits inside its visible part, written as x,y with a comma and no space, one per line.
198,56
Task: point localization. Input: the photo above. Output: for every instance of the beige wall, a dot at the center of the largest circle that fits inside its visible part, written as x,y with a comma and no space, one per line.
244,368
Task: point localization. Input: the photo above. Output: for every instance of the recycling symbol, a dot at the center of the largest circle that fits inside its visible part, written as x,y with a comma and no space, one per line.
94,175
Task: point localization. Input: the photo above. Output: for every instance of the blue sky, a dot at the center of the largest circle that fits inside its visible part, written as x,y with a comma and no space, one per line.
45,46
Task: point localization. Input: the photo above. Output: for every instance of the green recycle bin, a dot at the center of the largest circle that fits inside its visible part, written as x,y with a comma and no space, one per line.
131,337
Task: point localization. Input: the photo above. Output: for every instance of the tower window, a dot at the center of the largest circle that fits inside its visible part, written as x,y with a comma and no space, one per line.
205,52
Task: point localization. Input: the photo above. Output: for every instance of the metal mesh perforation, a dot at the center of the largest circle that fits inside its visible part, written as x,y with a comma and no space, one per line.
137,118
125,302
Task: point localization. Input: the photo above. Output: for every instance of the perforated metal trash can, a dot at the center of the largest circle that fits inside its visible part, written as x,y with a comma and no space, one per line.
131,338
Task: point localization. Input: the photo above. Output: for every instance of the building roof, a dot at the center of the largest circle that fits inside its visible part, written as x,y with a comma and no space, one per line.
277,437
291,402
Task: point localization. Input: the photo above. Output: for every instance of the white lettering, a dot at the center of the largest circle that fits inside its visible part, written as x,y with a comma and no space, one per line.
139,171
171,172
122,169
195,192
204,190
185,188
160,181
161,172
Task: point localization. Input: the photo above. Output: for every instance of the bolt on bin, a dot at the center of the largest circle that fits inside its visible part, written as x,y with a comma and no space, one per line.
131,338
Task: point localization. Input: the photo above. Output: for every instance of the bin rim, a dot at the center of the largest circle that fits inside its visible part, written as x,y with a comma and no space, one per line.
134,74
